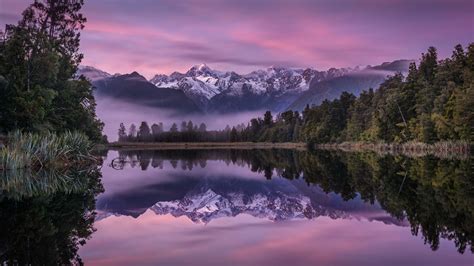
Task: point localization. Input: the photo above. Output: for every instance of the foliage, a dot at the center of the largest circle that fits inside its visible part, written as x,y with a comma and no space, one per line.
433,103
39,57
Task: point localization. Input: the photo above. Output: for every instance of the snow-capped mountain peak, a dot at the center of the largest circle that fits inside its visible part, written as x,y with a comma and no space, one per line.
202,81
208,205
92,73
202,70
203,67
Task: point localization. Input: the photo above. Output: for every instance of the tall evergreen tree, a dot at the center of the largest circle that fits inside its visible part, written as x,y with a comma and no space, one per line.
202,127
38,60
190,126
268,118
122,133
174,128
233,135
144,132
132,131
184,126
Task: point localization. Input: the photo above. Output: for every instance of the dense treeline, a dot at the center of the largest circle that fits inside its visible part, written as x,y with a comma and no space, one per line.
39,58
187,132
432,103
434,195
285,128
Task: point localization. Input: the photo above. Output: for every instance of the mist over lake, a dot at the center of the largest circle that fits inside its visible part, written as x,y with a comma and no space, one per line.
113,112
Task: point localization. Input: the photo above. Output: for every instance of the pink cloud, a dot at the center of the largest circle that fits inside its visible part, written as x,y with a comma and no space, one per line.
163,36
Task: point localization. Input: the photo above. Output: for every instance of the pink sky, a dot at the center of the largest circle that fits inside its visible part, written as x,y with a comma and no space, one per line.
154,37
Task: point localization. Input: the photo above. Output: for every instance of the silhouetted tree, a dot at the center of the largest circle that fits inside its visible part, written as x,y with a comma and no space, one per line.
202,127
268,118
190,126
144,132
132,131
233,135
184,126
174,128
122,133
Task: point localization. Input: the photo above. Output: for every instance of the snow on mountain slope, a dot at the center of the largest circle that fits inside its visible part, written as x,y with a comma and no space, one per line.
92,73
206,206
275,88
198,81
201,83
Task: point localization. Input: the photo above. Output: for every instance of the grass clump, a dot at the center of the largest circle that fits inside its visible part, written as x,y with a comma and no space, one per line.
45,151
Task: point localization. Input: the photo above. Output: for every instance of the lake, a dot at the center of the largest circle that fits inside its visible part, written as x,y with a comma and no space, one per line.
246,207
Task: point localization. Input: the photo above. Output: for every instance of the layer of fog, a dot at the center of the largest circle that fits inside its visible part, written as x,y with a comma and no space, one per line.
113,112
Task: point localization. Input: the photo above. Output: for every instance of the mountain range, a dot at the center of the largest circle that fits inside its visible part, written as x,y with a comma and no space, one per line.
204,90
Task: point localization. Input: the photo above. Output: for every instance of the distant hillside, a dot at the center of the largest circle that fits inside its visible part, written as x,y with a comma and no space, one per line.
134,88
354,82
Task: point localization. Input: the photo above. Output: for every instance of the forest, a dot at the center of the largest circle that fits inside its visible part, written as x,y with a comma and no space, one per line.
432,103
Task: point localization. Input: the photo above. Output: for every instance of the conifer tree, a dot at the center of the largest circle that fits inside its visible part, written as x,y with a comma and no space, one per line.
144,132
122,133
39,58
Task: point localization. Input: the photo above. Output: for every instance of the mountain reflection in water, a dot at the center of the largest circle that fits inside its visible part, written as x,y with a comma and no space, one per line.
280,207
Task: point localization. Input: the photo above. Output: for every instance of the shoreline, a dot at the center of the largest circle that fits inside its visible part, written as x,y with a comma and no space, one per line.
442,149
205,145
447,149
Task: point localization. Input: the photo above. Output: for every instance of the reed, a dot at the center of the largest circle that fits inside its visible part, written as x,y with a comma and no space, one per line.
23,183
45,151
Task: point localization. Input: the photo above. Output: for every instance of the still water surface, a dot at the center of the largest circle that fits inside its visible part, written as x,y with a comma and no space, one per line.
281,208
248,207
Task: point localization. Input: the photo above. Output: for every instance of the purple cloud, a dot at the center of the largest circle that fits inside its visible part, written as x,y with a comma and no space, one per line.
163,36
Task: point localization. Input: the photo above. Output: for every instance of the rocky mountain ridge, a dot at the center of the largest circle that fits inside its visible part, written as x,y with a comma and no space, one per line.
275,88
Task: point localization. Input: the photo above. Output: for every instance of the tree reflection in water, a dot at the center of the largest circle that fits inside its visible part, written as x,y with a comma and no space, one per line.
46,216
435,195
